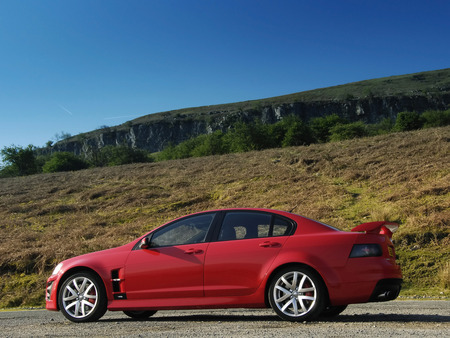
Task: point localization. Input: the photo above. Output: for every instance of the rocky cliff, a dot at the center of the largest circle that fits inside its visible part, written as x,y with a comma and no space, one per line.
430,91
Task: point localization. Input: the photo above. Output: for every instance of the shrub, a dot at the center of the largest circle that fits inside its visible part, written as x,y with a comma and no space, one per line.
298,133
321,126
64,161
212,144
384,127
436,118
348,131
118,155
246,137
408,120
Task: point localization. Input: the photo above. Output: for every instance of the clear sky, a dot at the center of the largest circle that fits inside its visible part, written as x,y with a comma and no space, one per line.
76,65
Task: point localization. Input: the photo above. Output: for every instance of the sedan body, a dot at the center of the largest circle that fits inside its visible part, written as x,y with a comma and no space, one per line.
241,258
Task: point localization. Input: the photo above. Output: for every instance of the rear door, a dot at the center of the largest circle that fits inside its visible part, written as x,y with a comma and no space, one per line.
246,246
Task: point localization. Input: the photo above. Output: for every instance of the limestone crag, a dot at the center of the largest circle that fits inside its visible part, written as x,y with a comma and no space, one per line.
174,127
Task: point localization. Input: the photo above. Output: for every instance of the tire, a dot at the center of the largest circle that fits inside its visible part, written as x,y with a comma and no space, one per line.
139,314
297,294
82,297
332,311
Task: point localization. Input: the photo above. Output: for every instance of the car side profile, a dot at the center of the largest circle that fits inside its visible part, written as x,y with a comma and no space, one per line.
232,258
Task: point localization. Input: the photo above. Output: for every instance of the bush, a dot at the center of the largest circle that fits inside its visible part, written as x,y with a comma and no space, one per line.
297,134
64,161
321,126
246,137
348,131
436,118
384,127
211,144
118,155
408,120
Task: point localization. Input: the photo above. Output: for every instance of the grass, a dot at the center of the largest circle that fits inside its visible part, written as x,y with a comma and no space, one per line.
402,177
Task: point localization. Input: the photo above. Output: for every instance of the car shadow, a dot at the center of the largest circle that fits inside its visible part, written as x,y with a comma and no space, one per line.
356,318
389,318
199,318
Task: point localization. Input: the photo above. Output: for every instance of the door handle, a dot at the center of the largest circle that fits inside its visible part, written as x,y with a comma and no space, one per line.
193,251
268,244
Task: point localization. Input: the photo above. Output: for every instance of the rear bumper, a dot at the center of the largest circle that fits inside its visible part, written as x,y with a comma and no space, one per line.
386,289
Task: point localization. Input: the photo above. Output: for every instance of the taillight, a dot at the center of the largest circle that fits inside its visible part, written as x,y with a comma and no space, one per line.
366,250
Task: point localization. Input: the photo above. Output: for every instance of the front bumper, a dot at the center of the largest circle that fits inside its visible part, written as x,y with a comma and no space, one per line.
51,302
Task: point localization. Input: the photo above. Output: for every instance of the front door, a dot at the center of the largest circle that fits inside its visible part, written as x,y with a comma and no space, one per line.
172,267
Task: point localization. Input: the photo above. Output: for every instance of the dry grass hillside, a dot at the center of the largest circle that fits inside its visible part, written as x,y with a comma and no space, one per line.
401,177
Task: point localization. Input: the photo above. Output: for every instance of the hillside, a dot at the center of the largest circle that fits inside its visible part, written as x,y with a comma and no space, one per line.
369,101
403,177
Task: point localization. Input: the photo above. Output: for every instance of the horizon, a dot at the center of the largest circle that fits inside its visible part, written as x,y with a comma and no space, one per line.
77,66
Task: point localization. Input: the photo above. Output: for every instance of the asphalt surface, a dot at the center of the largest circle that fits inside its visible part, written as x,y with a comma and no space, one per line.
390,319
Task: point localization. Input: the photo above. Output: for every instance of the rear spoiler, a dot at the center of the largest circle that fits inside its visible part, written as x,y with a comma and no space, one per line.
382,228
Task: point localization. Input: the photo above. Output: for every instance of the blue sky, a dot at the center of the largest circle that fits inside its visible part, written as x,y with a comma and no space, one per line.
75,65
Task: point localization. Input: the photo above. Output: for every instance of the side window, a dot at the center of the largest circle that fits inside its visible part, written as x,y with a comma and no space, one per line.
244,225
281,227
188,230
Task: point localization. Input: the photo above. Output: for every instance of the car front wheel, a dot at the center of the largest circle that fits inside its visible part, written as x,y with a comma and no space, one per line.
82,297
297,294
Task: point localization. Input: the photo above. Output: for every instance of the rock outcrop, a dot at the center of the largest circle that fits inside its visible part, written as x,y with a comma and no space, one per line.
174,127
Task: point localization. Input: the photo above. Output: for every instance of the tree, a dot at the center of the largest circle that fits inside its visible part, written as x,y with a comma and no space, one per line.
64,161
436,118
118,155
298,133
348,131
19,161
321,126
408,120
62,136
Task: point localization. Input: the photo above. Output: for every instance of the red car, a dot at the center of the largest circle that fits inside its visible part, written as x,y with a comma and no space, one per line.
232,258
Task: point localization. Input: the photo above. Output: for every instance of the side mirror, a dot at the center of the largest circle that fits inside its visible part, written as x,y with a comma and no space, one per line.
145,243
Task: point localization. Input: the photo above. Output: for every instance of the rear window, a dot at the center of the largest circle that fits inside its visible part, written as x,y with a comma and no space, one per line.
246,225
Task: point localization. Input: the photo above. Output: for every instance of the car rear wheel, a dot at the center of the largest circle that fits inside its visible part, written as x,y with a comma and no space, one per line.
139,314
297,294
82,297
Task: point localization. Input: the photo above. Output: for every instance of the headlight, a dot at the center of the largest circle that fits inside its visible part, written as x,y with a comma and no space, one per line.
56,270
366,250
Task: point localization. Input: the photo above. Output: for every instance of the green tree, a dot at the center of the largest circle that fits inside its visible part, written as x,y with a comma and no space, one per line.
321,126
19,161
118,155
408,120
211,144
64,161
385,126
436,118
242,138
297,133
348,131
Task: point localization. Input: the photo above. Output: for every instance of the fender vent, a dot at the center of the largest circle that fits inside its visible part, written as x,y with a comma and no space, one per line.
115,280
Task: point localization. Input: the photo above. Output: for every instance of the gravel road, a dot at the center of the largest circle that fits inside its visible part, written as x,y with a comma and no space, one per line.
391,319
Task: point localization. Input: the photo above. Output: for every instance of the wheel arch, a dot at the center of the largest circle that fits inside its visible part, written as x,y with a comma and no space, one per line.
72,271
293,264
